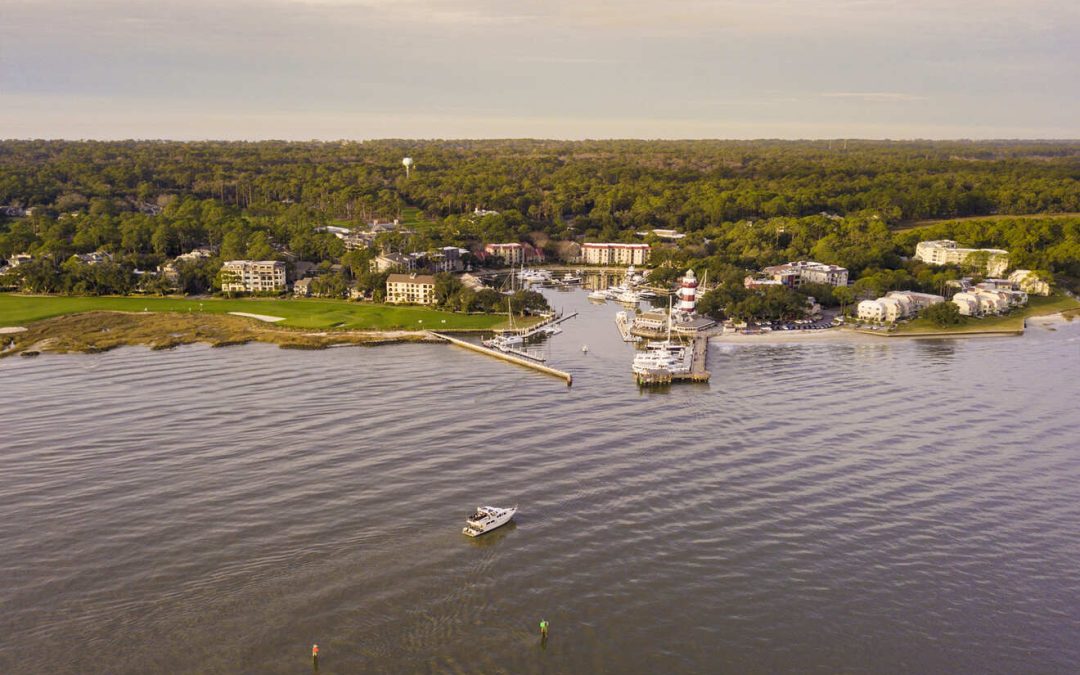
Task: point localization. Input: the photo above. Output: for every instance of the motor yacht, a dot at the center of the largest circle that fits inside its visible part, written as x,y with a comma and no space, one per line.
486,519
598,295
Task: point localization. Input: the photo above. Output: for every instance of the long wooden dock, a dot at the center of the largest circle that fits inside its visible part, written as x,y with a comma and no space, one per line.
517,360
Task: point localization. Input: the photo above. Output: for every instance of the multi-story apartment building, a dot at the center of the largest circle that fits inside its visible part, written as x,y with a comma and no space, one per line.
947,252
795,274
417,289
252,276
896,305
614,254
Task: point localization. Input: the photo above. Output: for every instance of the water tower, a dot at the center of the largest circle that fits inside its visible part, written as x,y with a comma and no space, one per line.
407,162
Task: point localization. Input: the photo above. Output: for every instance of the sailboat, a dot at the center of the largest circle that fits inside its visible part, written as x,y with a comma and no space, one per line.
509,339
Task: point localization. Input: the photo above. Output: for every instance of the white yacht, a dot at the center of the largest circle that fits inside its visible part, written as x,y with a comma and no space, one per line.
629,297
486,519
662,358
505,342
598,295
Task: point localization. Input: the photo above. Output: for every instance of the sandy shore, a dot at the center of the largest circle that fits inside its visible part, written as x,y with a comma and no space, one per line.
261,317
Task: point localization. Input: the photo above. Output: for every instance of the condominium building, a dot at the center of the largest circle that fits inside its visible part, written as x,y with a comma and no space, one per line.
947,252
983,299
512,254
896,305
252,276
417,289
615,254
1029,282
795,274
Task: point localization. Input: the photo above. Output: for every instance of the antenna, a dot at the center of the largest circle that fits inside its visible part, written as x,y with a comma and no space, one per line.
407,163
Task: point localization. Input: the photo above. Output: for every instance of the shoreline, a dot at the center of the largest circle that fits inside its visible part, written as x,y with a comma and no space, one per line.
95,332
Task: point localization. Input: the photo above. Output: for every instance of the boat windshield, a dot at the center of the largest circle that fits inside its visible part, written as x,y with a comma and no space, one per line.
479,515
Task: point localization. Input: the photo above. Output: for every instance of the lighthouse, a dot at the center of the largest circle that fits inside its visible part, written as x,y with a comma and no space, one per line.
688,293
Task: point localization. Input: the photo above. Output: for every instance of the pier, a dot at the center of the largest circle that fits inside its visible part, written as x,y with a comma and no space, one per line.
697,373
624,323
517,360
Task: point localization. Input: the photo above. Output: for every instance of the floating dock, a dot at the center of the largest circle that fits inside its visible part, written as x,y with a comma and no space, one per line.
697,372
517,360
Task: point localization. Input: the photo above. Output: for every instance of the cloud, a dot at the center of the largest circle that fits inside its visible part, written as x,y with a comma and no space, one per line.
874,96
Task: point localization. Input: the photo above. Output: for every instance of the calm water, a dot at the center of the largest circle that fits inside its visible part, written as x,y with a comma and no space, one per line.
885,508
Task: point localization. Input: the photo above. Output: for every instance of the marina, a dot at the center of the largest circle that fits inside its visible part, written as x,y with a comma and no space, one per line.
343,526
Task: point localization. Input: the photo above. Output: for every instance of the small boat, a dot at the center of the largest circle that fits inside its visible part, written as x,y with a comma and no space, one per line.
584,349
629,297
486,519
552,330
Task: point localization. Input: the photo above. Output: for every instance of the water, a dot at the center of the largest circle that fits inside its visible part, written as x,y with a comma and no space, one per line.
885,507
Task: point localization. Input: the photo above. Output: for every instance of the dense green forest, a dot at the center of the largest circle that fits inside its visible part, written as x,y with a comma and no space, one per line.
742,204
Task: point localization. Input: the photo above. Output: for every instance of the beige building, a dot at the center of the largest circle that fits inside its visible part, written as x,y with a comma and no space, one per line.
795,274
984,299
614,254
392,261
513,254
947,252
1029,282
896,305
417,289
252,276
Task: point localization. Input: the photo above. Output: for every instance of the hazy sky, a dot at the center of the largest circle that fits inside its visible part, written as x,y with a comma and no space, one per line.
330,69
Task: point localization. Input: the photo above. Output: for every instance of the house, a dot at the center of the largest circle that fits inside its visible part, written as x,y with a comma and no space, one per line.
418,289
302,288
94,258
947,252
252,276
593,253
896,305
795,274
1030,282
19,259
392,261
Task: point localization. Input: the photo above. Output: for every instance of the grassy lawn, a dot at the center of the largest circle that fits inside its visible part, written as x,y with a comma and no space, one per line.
1037,306
19,310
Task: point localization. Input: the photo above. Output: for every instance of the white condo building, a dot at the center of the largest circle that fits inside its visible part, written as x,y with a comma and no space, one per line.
983,299
614,254
947,252
252,276
795,274
1029,282
896,305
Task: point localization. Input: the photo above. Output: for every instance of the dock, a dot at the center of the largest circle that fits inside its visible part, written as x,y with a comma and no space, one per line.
517,360
624,322
553,320
697,373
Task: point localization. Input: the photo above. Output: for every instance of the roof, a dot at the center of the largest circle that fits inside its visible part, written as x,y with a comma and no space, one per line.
410,279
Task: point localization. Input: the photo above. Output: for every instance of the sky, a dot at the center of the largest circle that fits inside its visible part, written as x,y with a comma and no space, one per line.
362,69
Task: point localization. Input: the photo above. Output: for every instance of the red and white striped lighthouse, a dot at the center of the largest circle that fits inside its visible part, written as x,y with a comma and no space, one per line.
688,293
